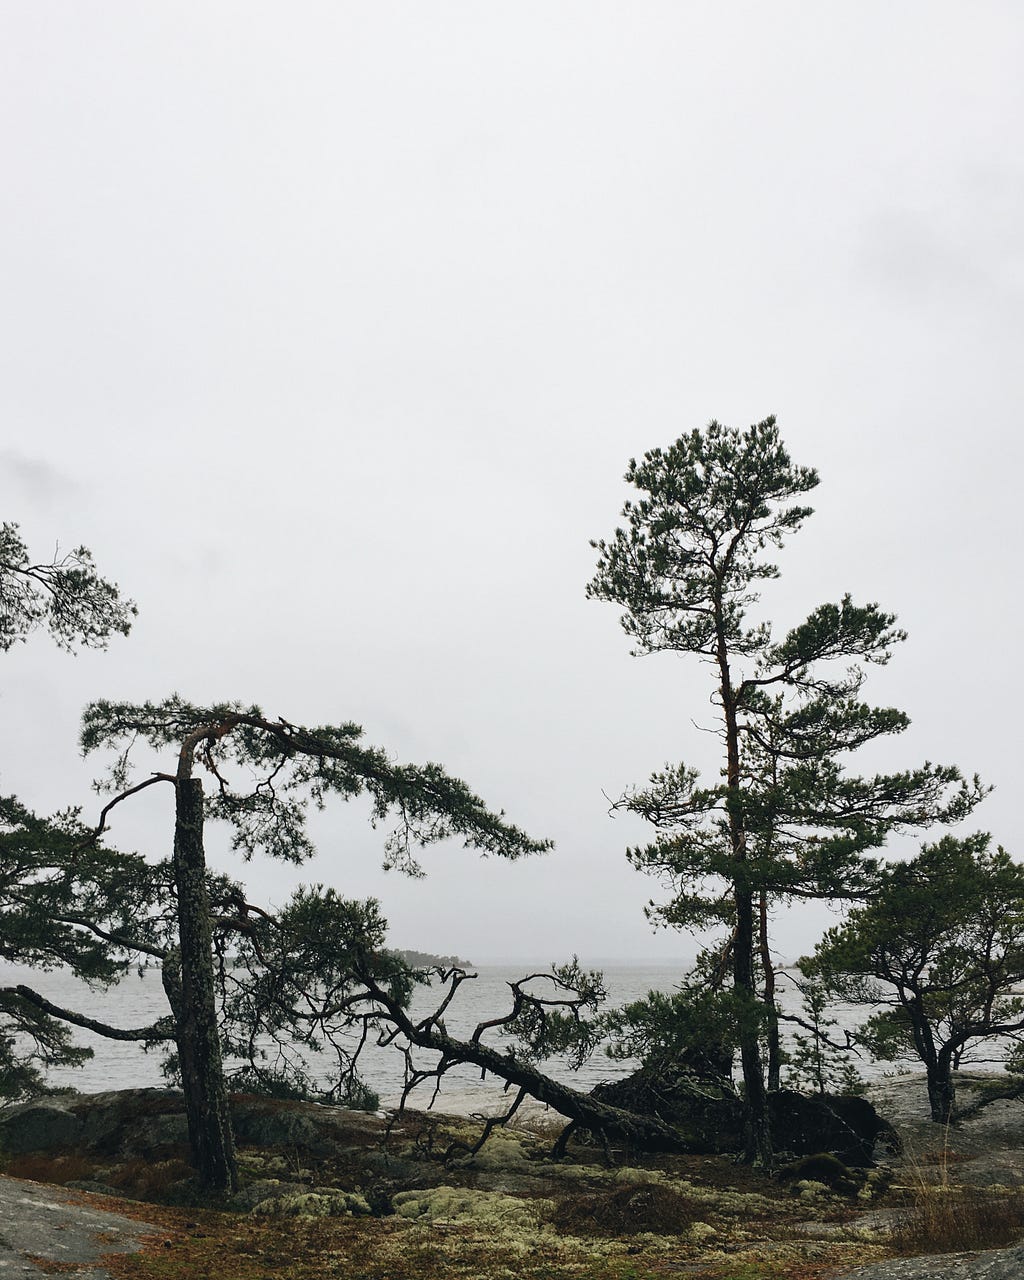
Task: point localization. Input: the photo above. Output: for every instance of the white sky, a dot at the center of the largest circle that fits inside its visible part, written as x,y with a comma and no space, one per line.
331,328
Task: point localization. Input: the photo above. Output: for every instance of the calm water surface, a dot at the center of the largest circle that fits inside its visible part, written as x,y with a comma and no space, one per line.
138,1001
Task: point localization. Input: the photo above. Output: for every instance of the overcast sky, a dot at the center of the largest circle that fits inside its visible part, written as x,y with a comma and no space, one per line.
331,329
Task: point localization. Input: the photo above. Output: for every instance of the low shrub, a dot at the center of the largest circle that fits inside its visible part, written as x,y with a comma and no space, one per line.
44,1166
628,1211
154,1180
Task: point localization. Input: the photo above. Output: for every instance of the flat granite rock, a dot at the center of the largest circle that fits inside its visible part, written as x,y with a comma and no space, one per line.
39,1222
992,1264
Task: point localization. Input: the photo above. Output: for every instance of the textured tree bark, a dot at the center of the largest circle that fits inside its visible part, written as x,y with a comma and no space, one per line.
772,1030
760,1149
202,1075
941,1089
937,1063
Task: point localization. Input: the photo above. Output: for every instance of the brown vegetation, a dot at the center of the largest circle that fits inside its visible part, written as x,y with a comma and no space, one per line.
513,1213
629,1210
946,1218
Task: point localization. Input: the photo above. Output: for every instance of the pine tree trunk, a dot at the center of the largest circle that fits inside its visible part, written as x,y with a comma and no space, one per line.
774,1055
941,1090
759,1139
937,1063
774,1042
202,1075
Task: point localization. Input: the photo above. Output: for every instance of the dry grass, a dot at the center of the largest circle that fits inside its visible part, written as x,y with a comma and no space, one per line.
942,1157
945,1216
949,1219
154,1180
41,1166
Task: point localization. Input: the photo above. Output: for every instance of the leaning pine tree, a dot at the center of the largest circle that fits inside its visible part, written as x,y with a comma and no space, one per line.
786,822
283,768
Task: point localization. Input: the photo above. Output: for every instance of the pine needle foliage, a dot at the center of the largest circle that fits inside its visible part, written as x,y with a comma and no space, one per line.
64,596
938,953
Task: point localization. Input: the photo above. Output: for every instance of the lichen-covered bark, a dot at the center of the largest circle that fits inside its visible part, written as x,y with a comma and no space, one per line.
202,1076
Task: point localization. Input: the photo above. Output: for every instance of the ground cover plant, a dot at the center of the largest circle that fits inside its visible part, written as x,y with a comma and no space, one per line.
946,1219
510,1211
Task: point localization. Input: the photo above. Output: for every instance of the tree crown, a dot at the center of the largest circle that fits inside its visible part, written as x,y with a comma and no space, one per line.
66,596
691,548
266,772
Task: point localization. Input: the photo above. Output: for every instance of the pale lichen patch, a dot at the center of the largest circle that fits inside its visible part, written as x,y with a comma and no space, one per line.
329,1203
465,1206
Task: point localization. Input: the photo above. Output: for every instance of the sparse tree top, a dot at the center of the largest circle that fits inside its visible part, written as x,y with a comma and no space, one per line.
692,545
65,596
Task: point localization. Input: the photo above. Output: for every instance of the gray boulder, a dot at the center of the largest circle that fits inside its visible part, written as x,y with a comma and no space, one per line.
151,1123
142,1122
39,1125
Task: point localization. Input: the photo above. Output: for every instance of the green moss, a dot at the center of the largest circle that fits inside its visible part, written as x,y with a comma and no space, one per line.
502,1150
477,1208
702,1231
330,1203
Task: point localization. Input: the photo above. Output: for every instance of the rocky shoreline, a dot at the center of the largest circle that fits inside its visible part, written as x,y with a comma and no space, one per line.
384,1179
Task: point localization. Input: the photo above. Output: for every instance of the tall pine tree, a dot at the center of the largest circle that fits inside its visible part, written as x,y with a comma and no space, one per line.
784,821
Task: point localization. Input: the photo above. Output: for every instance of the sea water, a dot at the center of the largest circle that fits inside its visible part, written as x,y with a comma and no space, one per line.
139,1000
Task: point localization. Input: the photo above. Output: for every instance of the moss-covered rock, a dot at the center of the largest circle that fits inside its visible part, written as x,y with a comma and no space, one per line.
258,1190
479,1208
704,1108
710,1117
503,1150
823,1167
810,1190
126,1121
330,1202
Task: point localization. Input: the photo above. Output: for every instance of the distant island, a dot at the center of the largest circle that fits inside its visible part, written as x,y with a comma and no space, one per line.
414,959
424,960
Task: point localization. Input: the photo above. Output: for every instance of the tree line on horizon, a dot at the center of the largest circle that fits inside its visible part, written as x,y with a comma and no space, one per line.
932,945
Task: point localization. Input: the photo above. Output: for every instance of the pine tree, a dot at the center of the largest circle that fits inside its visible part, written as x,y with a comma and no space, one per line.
287,768
939,953
65,596
785,822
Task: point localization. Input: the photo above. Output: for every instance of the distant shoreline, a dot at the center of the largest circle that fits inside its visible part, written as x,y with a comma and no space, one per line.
506,961
427,960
